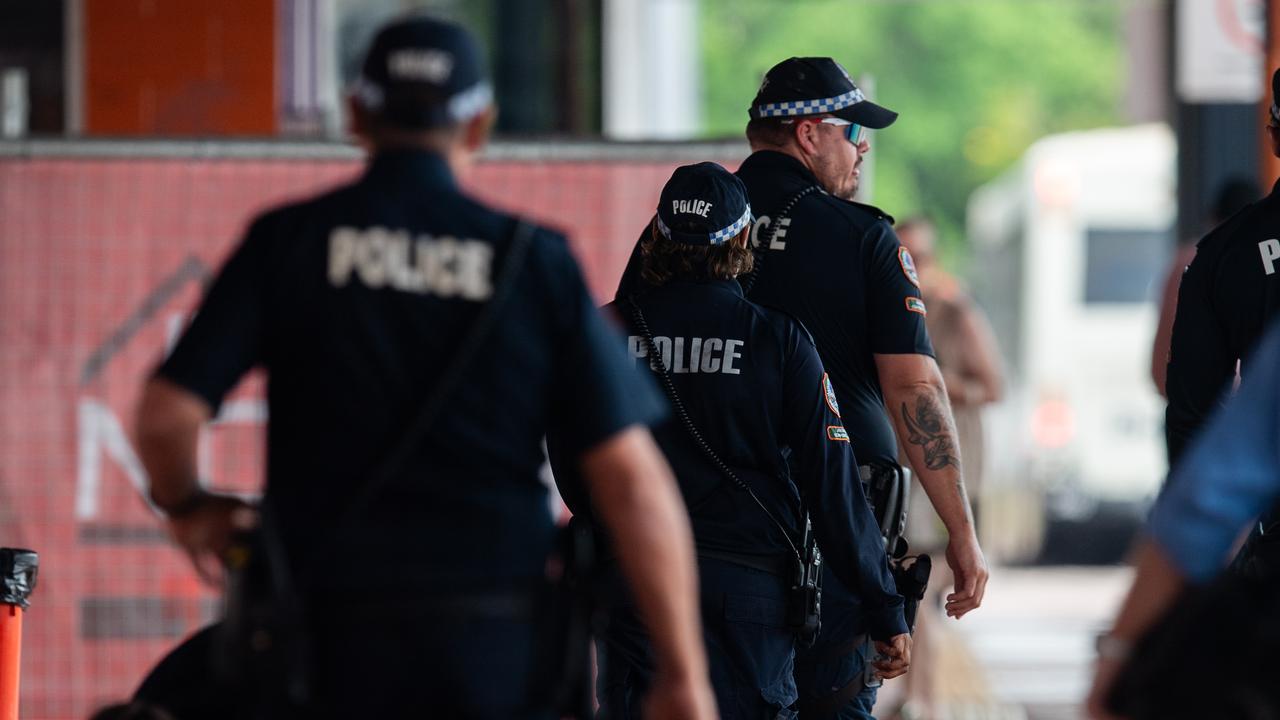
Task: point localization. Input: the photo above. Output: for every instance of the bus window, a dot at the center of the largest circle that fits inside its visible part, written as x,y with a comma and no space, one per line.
1122,265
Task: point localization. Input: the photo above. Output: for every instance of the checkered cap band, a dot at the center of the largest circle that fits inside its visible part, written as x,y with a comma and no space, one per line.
470,102
717,237
793,108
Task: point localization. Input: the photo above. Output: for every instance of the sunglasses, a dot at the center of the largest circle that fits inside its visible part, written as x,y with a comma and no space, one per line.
853,132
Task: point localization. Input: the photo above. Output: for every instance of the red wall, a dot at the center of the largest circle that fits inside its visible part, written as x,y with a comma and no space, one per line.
179,67
99,261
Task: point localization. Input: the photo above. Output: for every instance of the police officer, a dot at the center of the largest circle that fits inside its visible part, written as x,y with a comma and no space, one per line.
749,391
1229,292
837,266
356,303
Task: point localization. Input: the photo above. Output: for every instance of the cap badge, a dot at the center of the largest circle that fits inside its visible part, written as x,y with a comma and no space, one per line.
422,65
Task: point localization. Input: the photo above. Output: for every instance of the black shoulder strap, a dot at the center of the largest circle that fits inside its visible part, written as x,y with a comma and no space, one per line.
657,363
762,248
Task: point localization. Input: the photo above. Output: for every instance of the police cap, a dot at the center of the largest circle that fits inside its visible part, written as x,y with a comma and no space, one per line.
703,204
422,73
797,87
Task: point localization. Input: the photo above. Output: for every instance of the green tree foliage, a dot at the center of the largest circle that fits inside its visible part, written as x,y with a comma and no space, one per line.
975,81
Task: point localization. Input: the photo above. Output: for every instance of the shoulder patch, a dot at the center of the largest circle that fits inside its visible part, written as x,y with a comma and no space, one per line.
830,394
916,305
837,433
908,266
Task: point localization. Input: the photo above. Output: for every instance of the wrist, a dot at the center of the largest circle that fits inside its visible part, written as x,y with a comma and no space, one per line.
187,505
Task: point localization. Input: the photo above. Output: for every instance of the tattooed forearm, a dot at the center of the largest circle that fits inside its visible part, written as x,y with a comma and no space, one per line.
931,428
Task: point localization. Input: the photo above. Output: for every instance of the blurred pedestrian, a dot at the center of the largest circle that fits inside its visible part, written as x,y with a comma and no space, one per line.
969,360
836,265
964,346
418,345
1229,474
748,391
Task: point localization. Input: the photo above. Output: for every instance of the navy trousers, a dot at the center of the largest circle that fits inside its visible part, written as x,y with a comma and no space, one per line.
749,648
385,660
833,668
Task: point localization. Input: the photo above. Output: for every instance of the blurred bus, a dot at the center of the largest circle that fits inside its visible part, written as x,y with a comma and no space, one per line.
1069,248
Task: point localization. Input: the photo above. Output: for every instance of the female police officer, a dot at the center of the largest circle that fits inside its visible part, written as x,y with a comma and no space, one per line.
757,437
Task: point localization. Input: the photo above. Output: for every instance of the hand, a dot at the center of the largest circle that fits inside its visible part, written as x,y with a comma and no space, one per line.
970,570
205,532
1104,674
680,699
897,656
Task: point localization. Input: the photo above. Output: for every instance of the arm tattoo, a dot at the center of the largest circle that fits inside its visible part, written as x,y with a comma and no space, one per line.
931,429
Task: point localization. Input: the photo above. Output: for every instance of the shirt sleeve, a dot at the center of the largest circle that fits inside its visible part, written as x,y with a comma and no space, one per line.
597,391
827,474
1200,360
632,283
896,308
1229,474
226,337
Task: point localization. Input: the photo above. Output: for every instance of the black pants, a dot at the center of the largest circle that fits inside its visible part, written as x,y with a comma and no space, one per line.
749,648
394,660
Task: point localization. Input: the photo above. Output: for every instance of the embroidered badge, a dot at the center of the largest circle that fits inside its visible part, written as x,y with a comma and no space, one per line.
835,432
830,393
908,266
916,305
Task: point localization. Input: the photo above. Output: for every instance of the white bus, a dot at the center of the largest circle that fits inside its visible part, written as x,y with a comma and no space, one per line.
1069,249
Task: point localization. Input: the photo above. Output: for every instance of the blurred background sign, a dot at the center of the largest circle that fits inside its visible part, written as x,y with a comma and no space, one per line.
1220,50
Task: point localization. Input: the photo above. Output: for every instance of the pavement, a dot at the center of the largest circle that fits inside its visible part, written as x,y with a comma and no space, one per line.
1026,654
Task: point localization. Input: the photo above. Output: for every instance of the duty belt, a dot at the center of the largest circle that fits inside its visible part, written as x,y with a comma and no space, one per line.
777,565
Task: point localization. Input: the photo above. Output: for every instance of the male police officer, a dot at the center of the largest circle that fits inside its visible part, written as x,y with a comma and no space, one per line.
1229,292
749,392
837,266
355,302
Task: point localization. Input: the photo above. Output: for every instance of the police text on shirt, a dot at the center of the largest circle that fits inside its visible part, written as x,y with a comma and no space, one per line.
690,355
380,257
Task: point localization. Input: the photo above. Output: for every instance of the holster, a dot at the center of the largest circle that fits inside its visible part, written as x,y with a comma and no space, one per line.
566,621
261,649
888,488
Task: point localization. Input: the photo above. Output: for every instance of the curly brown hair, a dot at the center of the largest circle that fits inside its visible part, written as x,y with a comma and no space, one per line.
664,260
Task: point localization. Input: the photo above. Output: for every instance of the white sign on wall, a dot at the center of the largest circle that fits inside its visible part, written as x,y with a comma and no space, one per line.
1220,49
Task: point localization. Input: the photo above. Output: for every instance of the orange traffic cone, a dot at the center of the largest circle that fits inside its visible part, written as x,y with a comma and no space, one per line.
17,580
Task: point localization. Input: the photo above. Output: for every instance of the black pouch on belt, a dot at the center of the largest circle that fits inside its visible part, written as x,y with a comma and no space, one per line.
566,618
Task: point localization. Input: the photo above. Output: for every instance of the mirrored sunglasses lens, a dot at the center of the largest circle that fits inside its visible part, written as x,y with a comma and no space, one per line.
853,133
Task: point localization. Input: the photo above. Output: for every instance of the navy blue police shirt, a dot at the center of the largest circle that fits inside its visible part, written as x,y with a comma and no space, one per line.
1229,294
755,389
354,303
839,268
